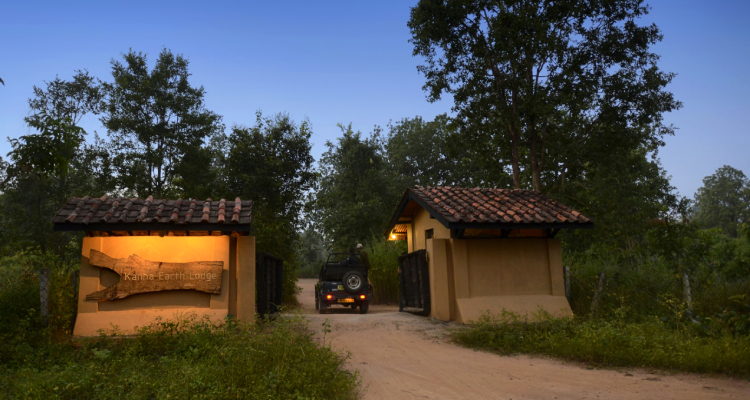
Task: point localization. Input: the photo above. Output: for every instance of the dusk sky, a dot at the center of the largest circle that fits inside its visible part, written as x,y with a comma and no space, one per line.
345,61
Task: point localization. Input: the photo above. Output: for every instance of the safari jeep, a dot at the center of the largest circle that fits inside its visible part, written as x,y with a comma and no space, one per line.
343,282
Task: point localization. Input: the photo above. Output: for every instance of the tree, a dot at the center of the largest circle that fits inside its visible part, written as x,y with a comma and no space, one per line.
270,163
154,120
538,80
429,153
357,192
724,200
67,99
51,165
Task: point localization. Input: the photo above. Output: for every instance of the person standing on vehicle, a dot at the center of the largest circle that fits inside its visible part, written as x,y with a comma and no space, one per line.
364,256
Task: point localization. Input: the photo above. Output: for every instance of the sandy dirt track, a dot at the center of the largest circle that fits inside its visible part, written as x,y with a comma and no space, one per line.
402,356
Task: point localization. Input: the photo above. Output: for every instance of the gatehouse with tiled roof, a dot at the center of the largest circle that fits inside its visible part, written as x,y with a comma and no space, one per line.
485,249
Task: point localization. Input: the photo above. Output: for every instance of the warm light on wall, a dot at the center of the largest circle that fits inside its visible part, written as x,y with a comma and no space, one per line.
393,237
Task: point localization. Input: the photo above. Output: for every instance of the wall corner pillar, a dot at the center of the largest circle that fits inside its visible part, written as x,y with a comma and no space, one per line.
245,275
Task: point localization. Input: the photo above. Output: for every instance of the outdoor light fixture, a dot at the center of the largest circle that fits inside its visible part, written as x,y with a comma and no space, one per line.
393,236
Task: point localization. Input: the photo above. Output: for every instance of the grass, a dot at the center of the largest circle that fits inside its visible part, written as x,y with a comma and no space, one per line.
611,343
183,359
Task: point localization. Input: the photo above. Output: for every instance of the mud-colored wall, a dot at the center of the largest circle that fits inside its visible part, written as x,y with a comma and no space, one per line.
469,277
237,289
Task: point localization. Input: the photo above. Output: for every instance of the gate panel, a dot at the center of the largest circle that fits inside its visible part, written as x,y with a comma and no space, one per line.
414,282
269,271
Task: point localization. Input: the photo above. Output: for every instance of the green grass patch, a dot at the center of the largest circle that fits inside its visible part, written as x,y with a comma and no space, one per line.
184,359
614,343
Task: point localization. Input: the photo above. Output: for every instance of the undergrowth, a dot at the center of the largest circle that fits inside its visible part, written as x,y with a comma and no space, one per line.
383,271
181,359
615,342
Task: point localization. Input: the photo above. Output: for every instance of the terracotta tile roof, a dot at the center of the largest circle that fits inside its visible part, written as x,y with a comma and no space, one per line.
457,207
122,214
496,205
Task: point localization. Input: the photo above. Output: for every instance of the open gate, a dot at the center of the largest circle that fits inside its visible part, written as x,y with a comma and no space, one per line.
414,281
269,271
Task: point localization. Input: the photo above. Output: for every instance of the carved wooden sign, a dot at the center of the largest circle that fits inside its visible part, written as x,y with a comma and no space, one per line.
143,276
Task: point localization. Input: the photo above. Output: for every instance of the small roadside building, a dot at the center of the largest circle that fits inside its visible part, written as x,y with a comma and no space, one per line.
144,259
486,250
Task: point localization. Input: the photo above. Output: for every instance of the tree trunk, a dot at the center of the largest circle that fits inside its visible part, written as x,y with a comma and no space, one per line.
566,270
514,160
44,295
686,293
597,295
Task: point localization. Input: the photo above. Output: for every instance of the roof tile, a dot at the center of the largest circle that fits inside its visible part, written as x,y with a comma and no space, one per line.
457,204
123,211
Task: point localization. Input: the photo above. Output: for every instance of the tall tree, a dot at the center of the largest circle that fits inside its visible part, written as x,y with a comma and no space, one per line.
154,119
357,192
724,200
538,79
270,163
52,164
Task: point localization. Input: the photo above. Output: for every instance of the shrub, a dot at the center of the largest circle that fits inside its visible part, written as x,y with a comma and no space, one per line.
19,292
383,271
615,342
185,358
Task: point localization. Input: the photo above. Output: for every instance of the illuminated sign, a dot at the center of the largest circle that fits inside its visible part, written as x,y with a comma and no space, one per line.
143,276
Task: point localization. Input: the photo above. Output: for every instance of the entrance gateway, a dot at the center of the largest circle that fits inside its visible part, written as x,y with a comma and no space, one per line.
143,260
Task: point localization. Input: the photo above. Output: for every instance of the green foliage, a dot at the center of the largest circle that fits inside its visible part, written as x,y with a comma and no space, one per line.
383,272
270,163
156,123
19,296
49,152
650,343
51,166
183,358
428,153
357,192
311,253
535,82
724,200
68,99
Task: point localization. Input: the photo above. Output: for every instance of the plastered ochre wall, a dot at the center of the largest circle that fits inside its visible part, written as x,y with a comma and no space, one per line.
469,277
237,295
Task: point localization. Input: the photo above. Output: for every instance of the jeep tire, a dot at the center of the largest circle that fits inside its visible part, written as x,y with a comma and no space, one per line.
354,282
364,306
322,307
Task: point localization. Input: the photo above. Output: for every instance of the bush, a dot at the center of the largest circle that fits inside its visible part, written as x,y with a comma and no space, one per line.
19,292
383,271
650,343
181,359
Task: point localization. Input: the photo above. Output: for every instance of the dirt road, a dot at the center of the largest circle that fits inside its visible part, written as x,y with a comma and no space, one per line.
402,356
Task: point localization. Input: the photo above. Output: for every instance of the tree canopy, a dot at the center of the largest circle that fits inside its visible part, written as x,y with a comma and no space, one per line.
156,120
724,200
537,81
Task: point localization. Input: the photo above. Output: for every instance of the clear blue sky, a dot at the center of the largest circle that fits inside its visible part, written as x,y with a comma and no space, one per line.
348,61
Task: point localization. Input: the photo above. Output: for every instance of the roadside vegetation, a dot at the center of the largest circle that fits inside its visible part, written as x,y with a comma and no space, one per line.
643,318
180,358
613,342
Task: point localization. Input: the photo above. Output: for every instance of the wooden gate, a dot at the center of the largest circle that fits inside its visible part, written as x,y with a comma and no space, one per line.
414,281
269,271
